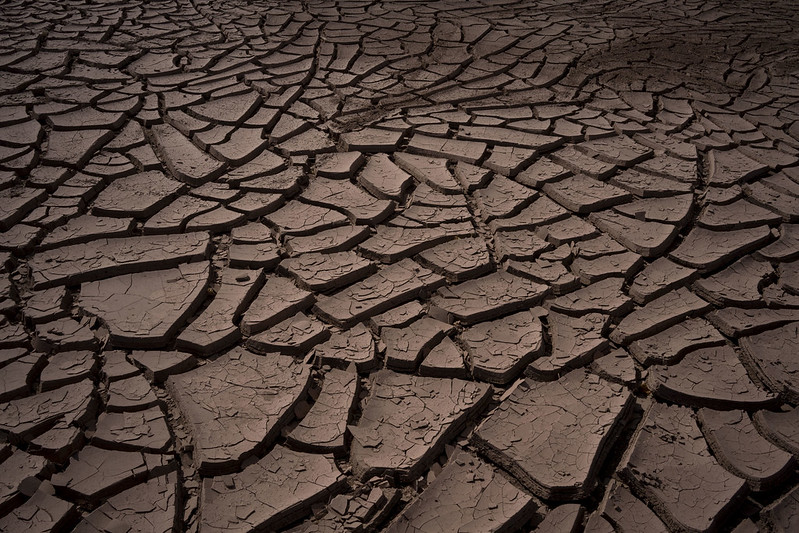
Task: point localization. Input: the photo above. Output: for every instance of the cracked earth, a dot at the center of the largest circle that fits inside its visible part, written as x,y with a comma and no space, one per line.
403,266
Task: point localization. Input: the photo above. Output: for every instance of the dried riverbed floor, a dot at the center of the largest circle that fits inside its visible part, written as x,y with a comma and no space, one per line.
399,266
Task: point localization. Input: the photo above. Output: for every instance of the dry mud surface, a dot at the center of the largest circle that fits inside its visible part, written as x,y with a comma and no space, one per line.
347,266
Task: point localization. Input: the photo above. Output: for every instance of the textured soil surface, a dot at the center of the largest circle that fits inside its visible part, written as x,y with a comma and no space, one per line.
405,266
